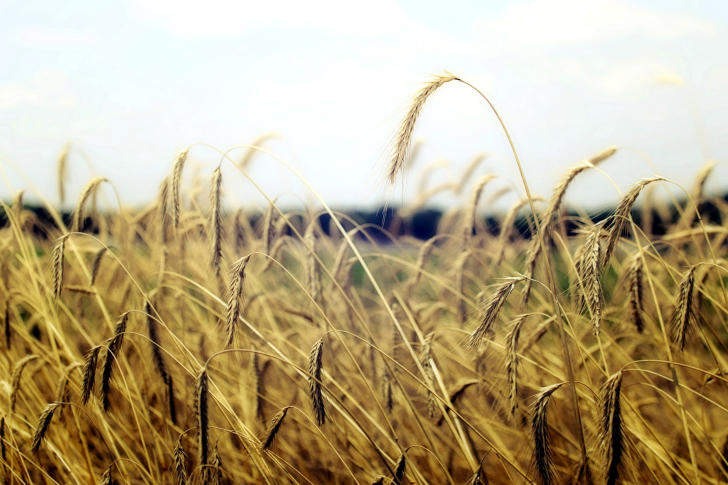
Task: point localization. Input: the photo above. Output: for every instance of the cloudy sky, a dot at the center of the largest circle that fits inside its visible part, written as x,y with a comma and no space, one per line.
129,83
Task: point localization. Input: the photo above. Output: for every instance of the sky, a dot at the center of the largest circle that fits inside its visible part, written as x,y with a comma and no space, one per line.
130,83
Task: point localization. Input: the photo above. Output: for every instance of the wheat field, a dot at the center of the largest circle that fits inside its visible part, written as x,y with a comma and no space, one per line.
188,342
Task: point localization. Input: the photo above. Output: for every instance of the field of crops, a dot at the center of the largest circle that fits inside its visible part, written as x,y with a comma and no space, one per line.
191,342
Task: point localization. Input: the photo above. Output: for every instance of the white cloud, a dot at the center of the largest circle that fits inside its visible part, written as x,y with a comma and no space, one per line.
342,84
54,38
215,18
628,77
47,90
568,22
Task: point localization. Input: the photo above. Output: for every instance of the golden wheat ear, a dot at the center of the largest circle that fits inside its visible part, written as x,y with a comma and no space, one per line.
273,428
612,439
400,150
236,290
491,310
315,389
683,316
78,213
542,462
203,423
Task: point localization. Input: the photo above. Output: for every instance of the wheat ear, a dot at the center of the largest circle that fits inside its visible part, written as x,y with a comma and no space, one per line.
15,378
42,427
490,312
216,230
469,222
89,373
542,461
216,467
622,216
683,317
106,477
96,265
636,293
113,350
179,164
399,469
78,214
159,363
235,299
203,423
512,362
506,227
62,167
62,392
611,434
313,281
58,257
315,390
180,458
273,428
401,147
424,358
552,209
590,274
